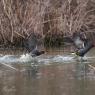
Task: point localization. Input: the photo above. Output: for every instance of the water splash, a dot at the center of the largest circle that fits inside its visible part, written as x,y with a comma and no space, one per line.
8,59
15,58
41,60
60,58
25,58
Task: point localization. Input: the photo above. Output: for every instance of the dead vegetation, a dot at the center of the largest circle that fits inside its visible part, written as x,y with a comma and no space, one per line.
51,19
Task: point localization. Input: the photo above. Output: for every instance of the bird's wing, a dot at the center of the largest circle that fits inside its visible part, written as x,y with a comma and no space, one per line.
30,44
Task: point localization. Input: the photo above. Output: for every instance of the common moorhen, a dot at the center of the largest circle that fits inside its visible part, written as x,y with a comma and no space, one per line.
83,51
31,45
82,44
36,52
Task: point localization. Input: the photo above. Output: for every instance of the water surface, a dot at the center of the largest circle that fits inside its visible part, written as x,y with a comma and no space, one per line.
55,73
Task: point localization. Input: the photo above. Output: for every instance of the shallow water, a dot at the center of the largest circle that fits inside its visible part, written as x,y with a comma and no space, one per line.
54,73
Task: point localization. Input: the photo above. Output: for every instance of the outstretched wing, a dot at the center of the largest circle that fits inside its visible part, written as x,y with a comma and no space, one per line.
30,43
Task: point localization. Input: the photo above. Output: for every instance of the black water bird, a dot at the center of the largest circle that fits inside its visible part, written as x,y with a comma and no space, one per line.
31,45
83,51
36,52
82,44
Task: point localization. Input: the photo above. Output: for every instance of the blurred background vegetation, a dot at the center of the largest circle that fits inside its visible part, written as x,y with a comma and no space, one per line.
50,20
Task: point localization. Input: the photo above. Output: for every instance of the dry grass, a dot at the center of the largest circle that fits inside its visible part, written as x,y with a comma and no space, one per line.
18,18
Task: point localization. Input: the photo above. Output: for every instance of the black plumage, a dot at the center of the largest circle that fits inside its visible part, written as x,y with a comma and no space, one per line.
83,51
36,52
82,44
31,45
